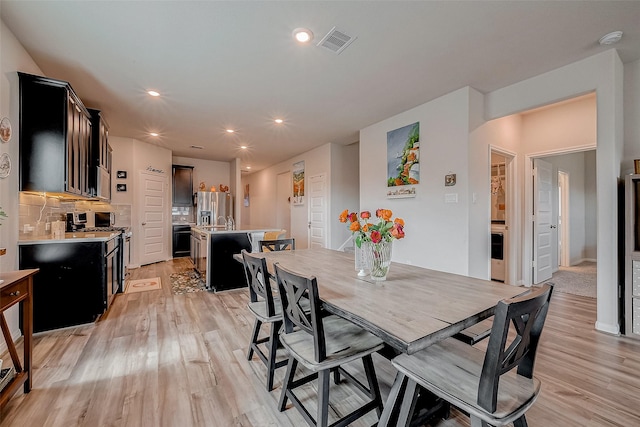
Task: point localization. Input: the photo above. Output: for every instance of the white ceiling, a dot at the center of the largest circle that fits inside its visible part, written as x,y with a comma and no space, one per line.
234,64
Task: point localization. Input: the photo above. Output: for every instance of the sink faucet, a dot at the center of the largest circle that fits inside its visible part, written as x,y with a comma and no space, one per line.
224,220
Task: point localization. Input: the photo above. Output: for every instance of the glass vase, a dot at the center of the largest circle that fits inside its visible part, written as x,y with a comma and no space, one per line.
379,259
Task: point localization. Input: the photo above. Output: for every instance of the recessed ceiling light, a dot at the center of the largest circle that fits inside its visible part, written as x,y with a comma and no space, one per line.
611,38
230,131
248,167
153,134
278,121
303,35
244,147
153,93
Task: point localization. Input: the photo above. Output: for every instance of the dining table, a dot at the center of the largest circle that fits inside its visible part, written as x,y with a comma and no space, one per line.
410,310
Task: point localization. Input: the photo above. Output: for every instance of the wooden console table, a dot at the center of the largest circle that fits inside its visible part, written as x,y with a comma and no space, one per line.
17,288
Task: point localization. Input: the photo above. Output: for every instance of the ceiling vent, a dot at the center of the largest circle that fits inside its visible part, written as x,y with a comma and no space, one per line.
197,147
336,41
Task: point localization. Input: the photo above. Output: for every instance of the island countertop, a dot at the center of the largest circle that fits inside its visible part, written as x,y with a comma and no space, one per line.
85,236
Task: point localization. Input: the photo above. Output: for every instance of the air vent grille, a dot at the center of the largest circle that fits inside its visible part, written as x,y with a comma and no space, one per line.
336,40
197,147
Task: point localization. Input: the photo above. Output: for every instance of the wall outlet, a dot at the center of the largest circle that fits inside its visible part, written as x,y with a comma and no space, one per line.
47,226
27,228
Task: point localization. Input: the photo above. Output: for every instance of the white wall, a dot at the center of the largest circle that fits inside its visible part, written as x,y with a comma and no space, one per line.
631,115
602,73
591,206
346,195
13,58
122,160
262,212
436,232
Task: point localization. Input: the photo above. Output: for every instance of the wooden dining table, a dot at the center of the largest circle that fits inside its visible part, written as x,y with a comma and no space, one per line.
412,309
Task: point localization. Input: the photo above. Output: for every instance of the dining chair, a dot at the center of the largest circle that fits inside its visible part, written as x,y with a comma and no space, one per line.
486,385
322,344
267,310
277,245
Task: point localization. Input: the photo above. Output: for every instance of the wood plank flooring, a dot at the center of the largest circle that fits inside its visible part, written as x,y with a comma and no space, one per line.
158,359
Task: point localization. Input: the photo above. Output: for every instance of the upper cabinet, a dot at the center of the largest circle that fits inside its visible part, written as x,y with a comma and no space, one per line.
100,157
55,138
182,185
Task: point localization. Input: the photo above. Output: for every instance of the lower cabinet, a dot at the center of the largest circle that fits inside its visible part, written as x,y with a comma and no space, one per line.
181,240
72,285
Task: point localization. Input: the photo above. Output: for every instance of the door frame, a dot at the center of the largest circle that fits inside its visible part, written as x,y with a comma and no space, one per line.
511,217
527,244
564,243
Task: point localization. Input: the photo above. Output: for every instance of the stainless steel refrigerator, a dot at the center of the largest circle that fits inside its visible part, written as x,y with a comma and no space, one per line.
214,208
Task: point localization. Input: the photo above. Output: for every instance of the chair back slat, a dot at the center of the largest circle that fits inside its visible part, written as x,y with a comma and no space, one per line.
526,313
277,245
296,292
255,270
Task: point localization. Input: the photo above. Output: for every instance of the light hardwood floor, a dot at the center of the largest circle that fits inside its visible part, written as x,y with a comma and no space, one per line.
159,359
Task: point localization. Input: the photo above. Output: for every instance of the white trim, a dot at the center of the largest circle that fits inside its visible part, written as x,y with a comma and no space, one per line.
610,329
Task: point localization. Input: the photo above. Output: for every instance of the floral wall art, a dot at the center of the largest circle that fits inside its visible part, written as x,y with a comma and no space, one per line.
403,160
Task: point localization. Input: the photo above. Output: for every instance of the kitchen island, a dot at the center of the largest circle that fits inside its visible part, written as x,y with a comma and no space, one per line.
213,251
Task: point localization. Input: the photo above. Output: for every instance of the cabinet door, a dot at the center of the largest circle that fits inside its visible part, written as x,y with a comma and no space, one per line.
72,129
182,186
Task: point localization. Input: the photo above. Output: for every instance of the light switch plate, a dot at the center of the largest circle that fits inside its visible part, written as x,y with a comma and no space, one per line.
451,198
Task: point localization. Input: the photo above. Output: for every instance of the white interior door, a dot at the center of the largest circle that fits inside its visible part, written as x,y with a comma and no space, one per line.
283,202
318,211
153,223
542,232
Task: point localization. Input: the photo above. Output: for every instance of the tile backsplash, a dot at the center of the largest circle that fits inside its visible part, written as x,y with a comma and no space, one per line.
37,210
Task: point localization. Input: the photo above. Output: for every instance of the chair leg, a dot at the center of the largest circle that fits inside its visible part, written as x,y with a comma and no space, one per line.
388,417
408,404
254,337
370,371
336,376
520,422
286,383
323,398
477,422
271,359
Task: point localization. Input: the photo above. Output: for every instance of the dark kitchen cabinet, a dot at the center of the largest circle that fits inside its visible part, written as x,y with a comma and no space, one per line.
100,157
55,137
182,185
224,272
76,281
181,240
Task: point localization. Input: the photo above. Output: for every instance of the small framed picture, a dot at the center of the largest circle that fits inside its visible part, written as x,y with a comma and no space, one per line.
121,174
121,187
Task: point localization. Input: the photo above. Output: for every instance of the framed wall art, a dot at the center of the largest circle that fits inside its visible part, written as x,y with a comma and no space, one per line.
121,174
5,129
121,187
403,156
298,183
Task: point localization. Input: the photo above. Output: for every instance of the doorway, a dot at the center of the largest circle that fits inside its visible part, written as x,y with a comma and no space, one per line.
153,229
573,221
502,199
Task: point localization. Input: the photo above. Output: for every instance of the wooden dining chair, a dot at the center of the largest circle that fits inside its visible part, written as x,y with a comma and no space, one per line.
277,245
486,385
322,343
267,310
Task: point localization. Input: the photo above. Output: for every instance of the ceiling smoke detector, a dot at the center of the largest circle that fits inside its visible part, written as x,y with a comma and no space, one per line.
611,38
336,41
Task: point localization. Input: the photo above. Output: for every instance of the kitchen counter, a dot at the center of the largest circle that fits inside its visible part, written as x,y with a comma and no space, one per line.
93,236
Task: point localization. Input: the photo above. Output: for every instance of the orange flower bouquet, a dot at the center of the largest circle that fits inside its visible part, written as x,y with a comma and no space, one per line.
376,237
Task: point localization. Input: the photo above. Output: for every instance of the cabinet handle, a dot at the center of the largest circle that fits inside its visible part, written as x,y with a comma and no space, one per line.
14,294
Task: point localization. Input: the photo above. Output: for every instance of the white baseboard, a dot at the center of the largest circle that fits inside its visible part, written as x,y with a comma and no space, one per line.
609,329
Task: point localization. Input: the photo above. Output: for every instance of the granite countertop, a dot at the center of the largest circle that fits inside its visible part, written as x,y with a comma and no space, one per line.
87,236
